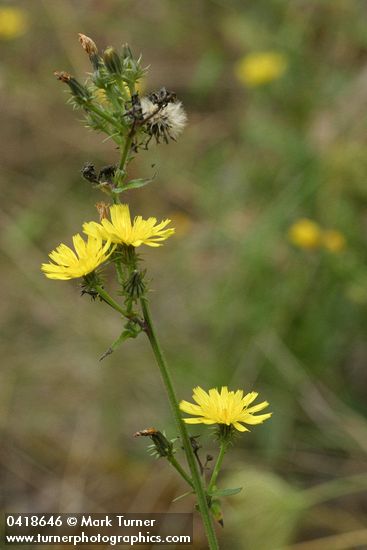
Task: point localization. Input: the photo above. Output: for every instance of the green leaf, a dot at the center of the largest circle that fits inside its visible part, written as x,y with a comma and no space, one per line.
183,496
123,336
224,492
133,184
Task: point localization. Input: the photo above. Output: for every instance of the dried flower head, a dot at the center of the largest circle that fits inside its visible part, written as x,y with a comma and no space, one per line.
88,44
163,122
225,407
63,76
103,210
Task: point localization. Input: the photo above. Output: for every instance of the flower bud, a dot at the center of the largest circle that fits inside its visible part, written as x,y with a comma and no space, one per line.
112,61
126,52
135,286
162,446
79,91
91,49
88,45
63,76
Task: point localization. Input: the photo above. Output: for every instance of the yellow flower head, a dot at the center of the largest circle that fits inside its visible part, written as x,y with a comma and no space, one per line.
100,96
305,233
224,407
13,22
68,264
121,230
333,240
260,68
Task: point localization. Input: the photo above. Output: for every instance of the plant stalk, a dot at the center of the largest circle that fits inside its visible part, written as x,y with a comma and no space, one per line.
124,155
180,470
218,465
91,107
167,380
109,300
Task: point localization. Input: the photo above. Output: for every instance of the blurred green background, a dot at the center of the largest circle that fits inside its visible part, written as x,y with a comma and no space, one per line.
236,301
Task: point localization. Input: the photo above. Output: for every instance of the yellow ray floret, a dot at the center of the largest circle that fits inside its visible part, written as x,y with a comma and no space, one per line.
121,230
224,407
67,264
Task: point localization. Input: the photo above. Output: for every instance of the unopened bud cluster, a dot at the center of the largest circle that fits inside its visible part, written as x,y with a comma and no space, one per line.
112,105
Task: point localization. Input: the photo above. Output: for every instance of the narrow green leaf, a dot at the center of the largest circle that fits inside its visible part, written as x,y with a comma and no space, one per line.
139,182
183,496
133,184
123,336
225,492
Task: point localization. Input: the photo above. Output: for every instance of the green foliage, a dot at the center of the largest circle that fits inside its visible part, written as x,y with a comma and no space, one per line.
266,513
225,492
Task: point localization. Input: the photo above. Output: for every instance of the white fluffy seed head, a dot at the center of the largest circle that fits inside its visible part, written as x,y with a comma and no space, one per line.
168,122
147,106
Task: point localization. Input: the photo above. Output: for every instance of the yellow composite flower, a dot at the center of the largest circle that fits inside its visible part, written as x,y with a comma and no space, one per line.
121,230
259,68
67,264
333,240
13,22
305,233
100,96
224,407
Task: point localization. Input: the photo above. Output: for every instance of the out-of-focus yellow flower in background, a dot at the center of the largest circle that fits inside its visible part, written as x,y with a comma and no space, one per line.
333,240
13,23
260,68
182,222
305,233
